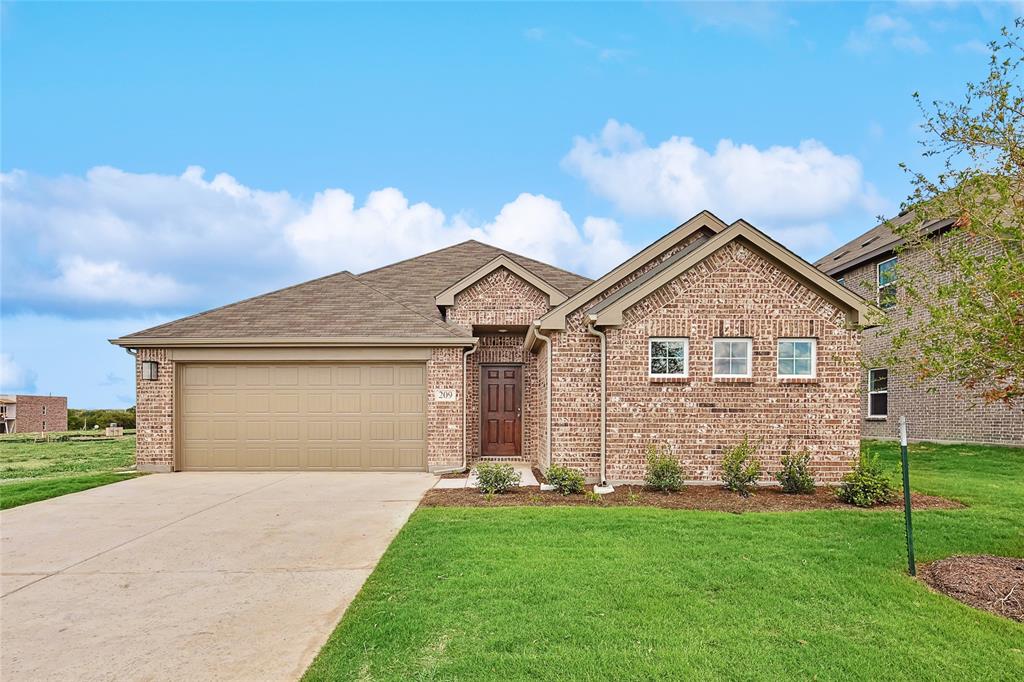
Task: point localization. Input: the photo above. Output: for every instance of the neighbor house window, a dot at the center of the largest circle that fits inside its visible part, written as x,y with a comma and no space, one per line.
732,357
797,358
878,393
44,425
887,283
44,410
149,370
669,357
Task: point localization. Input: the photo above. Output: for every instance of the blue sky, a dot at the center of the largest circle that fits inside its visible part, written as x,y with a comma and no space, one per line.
161,159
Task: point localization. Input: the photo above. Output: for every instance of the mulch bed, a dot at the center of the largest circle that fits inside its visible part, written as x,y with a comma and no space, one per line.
699,497
992,583
457,474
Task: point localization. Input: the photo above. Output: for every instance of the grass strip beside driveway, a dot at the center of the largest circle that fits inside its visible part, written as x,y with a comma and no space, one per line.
23,492
640,593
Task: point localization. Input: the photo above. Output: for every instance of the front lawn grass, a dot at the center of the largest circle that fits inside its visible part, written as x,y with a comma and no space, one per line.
22,492
640,593
31,471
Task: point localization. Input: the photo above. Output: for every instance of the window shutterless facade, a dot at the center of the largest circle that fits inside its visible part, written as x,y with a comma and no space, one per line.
731,358
886,276
797,358
878,393
668,357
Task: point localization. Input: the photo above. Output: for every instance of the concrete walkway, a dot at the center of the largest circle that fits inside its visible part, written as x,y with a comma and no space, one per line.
472,481
201,576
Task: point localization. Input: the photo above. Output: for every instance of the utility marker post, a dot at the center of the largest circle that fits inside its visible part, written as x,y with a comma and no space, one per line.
906,496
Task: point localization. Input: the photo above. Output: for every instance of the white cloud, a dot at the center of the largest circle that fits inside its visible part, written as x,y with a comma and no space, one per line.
535,33
112,242
677,178
974,46
885,29
787,190
14,378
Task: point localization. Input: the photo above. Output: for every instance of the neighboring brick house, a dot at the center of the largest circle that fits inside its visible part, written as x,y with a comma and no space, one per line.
33,413
712,333
936,410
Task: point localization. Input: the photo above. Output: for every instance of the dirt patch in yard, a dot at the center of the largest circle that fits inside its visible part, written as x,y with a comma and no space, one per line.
992,583
698,497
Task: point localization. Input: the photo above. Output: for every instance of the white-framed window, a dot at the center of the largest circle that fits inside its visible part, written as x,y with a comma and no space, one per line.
878,392
798,358
841,280
731,358
44,410
886,276
668,357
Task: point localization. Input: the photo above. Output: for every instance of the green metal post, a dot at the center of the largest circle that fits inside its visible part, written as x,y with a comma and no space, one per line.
906,496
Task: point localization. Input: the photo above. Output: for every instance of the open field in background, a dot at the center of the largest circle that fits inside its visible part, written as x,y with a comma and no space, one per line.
32,471
643,593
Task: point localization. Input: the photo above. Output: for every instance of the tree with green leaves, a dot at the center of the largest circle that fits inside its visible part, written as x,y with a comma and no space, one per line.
966,297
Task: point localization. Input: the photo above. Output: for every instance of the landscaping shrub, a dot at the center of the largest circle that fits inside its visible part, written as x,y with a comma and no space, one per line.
795,476
740,470
664,472
866,485
497,478
566,481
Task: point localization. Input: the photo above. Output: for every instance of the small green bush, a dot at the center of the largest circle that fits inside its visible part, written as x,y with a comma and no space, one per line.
795,476
866,485
566,481
496,478
740,470
664,472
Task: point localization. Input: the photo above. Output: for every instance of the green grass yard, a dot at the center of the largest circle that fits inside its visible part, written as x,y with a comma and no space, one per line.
640,593
31,471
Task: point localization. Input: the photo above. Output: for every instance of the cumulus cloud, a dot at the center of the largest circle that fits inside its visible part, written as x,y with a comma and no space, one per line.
114,242
791,191
14,378
886,30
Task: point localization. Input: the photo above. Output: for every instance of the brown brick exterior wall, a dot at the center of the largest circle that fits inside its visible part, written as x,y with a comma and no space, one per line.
154,413
935,410
734,293
444,420
501,299
38,413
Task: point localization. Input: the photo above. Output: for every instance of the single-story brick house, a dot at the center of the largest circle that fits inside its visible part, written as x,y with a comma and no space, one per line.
712,333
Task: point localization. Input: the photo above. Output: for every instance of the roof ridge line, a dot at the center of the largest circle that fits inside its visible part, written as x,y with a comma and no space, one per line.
428,253
439,323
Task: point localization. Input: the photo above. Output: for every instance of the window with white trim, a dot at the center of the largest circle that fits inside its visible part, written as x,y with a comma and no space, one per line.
887,283
878,393
732,358
797,358
668,357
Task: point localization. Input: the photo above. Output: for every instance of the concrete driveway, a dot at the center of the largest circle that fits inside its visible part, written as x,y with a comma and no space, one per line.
227,576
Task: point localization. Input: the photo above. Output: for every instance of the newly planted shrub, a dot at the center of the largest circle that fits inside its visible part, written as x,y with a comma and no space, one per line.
866,485
664,472
497,478
740,470
795,476
566,481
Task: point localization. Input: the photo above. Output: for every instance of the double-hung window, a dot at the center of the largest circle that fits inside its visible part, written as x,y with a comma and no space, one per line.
887,283
731,358
669,357
878,393
797,358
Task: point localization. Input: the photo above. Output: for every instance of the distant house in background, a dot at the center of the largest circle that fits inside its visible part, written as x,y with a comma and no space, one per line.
935,410
33,413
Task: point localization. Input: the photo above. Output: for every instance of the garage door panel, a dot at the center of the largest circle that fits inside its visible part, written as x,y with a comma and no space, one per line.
294,416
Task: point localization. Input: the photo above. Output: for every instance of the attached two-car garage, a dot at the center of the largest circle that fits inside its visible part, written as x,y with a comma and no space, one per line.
291,416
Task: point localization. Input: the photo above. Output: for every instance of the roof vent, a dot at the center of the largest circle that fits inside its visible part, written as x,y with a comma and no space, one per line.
840,255
869,241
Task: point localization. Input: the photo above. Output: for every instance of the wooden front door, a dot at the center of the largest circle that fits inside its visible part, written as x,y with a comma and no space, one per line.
501,388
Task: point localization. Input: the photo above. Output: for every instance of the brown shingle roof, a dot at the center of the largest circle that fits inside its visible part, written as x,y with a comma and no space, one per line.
396,300
418,280
873,243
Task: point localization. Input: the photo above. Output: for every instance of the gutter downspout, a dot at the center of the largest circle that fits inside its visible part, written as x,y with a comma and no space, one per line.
547,342
465,403
602,488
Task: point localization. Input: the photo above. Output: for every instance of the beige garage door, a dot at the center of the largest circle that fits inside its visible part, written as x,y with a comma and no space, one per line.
290,416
